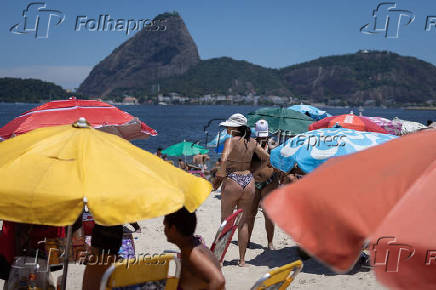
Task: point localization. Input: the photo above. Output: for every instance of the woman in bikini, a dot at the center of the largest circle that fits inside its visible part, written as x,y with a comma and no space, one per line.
237,188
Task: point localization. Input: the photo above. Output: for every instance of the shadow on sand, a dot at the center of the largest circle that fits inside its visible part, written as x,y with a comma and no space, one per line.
252,245
277,258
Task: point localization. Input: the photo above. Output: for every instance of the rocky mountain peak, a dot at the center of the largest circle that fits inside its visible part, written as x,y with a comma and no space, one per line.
163,48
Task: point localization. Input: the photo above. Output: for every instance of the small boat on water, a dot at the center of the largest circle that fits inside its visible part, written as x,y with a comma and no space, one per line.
162,104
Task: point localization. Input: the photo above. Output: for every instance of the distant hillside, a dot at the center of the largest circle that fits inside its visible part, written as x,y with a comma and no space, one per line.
218,76
374,77
166,61
363,78
29,90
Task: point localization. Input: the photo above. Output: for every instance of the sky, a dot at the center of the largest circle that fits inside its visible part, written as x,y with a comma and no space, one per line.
269,33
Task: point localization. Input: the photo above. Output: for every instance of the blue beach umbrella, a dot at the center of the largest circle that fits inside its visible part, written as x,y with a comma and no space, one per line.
223,136
311,149
313,112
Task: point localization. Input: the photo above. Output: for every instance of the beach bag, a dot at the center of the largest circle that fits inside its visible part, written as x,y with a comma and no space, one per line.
127,249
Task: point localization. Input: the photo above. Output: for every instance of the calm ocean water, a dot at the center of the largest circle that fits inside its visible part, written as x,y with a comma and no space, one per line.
177,123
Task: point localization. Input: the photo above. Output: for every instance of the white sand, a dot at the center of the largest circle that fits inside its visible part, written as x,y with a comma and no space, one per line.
260,260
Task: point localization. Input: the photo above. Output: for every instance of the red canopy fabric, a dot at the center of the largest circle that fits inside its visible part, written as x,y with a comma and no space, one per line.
349,121
385,195
100,115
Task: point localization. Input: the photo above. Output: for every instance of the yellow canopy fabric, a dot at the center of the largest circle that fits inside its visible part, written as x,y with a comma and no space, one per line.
46,174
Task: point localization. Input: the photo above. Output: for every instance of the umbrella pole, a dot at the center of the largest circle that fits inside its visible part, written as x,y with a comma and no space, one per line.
67,251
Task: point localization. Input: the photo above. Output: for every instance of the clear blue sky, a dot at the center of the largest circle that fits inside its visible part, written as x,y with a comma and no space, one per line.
269,33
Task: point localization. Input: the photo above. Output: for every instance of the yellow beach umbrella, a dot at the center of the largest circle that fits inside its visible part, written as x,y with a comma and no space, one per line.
46,174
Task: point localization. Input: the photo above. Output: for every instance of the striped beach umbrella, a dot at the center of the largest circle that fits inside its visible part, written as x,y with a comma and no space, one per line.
99,115
391,127
311,149
349,121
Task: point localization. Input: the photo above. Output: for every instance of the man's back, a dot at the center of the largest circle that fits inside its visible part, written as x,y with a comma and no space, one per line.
197,266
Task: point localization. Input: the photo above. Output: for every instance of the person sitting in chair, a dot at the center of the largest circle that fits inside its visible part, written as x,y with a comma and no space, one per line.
105,244
200,268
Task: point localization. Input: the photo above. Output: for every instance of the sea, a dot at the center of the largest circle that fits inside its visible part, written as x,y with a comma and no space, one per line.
176,123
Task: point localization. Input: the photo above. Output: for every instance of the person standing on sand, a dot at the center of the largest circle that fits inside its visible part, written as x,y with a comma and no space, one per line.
200,268
159,152
234,173
182,164
200,160
266,180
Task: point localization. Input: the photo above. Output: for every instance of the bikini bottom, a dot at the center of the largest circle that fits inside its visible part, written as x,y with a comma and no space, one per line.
242,179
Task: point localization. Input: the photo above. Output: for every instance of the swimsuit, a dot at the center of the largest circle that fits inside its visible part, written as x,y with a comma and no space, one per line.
242,179
261,185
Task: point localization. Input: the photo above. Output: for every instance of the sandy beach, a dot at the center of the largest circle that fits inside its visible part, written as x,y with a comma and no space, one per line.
260,260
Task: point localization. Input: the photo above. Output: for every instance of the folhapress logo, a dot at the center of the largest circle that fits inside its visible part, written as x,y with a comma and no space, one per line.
389,253
37,20
388,20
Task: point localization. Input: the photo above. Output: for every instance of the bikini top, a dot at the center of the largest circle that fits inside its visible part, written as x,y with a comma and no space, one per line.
237,155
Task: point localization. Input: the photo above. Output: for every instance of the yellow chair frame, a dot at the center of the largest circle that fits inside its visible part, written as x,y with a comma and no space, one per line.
285,273
142,269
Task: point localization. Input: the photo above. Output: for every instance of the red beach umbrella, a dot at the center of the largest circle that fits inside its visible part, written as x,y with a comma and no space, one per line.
349,121
384,195
99,114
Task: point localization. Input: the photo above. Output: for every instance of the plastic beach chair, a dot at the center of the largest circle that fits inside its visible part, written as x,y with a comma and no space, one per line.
279,278
143,272
224,235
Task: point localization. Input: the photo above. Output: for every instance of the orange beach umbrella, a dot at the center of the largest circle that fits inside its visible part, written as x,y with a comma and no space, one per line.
349,121
385,195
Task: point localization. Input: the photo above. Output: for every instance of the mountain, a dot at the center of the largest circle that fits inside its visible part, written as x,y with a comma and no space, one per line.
153,62
371,77
29,90
222,75
147,56
362,78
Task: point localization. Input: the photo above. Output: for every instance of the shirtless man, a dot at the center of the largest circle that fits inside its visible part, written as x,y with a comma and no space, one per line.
201,160
182,165
200,268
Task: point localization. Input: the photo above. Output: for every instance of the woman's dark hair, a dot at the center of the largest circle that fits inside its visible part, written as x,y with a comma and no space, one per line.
244,132
107,238
184,221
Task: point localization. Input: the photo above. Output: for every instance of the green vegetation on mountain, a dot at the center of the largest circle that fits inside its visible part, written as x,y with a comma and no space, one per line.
376,77
363,78
29,90
218,76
